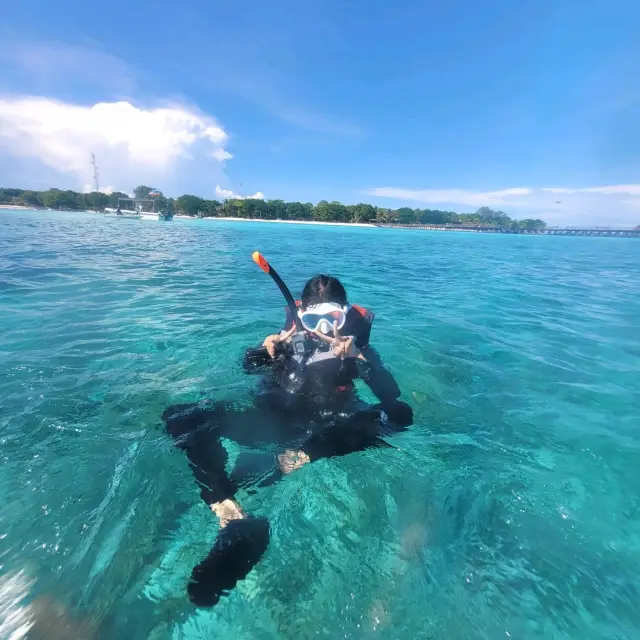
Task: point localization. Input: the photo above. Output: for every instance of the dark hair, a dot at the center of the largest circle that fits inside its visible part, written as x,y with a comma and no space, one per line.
323,289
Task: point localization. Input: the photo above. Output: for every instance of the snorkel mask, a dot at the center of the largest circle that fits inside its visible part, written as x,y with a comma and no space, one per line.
319,318
322,317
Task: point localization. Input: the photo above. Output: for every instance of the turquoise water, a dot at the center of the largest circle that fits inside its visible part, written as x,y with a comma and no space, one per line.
510,509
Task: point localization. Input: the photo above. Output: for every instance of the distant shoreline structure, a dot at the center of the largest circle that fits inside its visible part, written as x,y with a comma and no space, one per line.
260,209
618,232
311,222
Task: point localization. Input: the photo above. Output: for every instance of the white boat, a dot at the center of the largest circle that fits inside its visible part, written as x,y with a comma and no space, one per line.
138,211
120,213
150,215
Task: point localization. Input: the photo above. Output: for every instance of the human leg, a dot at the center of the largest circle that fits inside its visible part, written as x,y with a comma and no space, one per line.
196,430
362,430
242,539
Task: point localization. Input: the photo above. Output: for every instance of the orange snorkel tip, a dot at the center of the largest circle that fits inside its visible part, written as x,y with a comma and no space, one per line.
269,270
260,261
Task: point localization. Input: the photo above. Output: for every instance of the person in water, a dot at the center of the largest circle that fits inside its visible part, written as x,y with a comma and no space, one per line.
305,404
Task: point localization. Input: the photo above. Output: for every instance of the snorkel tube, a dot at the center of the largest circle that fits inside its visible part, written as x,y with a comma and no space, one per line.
259,259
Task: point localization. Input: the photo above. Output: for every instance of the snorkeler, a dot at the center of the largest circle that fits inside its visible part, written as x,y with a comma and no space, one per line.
305,404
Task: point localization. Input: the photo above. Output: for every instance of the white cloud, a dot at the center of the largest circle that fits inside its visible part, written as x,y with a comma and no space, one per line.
132,144
557,190
221,155
457,196
316,121
599,205
54,65
624,189
90,188
227,194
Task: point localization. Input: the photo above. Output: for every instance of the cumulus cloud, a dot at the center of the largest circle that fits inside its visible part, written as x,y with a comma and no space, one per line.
221,155
596,205
458,196
90,188
227,194
131,143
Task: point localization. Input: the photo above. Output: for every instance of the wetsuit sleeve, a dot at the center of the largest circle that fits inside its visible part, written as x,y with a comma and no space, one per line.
257,358
374,374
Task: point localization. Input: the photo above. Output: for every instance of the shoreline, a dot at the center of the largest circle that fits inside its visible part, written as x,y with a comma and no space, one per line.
625,232
314,222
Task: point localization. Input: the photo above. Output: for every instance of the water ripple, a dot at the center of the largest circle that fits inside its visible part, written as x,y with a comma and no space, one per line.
510,509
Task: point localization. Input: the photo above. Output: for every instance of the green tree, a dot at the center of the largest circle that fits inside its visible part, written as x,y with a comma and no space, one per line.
142,191
339,212
10,195
79,200
362,212
57,199
385,216
406,215
246,208
435,216
260,208
331,212
322,212
491,217
532,224
189,204
210,208
277,209
31,198
113,199
299,211
97,200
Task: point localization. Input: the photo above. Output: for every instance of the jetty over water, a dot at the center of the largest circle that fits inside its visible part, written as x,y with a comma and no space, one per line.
548,231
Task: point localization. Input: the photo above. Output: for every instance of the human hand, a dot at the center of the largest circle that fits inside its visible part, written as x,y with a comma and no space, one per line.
227,510
270,342
343,347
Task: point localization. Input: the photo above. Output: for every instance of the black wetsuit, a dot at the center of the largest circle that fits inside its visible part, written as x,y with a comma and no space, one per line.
316,411
303,403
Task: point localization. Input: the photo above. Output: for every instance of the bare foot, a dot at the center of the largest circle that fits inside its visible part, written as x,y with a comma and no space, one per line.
227,510
291,460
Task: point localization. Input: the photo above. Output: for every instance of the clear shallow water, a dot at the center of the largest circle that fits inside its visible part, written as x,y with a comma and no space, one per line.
510,509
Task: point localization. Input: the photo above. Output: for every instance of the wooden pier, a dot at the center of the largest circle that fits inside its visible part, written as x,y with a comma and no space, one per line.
552,231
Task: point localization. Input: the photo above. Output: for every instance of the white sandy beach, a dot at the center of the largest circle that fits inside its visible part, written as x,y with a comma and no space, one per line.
333,224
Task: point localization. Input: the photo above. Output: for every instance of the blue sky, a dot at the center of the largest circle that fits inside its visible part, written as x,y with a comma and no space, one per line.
530,106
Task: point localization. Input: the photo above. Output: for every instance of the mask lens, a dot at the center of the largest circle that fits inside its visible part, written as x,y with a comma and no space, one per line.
312,320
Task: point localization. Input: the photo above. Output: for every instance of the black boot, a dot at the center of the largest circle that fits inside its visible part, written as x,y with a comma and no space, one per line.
238,548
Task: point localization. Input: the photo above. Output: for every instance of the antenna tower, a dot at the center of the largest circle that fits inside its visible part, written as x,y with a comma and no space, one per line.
95,171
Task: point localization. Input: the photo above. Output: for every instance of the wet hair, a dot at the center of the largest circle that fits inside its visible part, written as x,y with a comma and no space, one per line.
323,289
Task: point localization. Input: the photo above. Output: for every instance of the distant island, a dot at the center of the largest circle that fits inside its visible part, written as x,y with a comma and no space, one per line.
250,208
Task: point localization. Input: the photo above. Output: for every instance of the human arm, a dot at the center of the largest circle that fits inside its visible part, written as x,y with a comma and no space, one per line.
258,357
372,371
271,342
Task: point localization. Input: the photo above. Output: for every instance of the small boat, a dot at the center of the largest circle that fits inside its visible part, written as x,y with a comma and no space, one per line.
120,213
139,212
154,215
